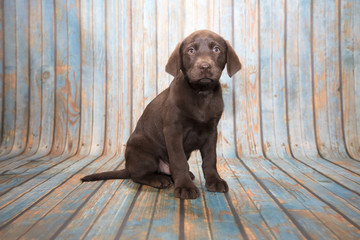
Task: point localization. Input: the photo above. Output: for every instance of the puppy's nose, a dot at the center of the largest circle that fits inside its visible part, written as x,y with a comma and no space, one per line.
205,66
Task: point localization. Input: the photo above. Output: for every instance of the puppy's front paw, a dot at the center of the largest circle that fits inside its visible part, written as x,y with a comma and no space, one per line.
187,192
217,185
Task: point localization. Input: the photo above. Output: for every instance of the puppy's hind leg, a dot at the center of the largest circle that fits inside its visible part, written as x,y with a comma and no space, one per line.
143,169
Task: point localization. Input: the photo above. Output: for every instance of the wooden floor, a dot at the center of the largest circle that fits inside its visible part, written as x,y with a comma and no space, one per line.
282,198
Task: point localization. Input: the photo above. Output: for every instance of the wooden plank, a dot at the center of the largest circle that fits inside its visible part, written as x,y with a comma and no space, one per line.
245,209
356,36
326,83
21,171
246,87
73,75
299,203
44,208
201,14
335,172
294,90
326,78
108,223
226,126
333,220
22,78
139,220
99,85
61,73
34,73
276,219
305,70
190,21
175,11
35,78
329,191
197,217
8,124
347,32
300,122
112,77
2,64
91,210
125,64
299,83
166,216
137,80
164,47
23,196
16,172
48,77
266,80
87,77
150,69
280,145
218,213
333,80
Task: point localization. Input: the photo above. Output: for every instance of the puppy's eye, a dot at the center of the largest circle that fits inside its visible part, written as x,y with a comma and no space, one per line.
191,51
216,50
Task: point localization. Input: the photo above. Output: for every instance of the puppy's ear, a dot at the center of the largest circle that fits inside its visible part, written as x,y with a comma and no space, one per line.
174,63
233,64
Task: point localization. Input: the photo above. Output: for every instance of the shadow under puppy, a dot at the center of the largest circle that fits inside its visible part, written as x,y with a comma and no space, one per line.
181,119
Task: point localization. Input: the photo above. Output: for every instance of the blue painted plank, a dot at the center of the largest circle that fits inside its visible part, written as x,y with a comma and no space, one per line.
164,47
87,77
37,212
35,79
26,194
294,197
2,75
61,71
48,77
67,198
306,82
149,44
73,75
22,77
348,81
247,211
197,218
174,10
81,224
277,220
226,126
217,212
166,220
246,87
8,126
356,36
112,76
125,65
99,87
278,79
266,80
139,220
111,219
138,48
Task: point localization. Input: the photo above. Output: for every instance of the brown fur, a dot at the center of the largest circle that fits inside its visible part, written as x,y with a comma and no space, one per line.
181,119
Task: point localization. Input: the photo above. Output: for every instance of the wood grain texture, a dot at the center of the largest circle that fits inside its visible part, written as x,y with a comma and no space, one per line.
75,76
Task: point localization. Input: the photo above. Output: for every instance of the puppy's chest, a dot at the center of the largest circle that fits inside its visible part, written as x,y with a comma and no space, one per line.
205,110
194,137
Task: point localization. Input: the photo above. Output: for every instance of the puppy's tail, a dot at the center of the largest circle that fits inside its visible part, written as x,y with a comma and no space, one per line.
121,174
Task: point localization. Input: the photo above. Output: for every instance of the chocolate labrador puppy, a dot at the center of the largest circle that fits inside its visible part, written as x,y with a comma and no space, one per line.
181,119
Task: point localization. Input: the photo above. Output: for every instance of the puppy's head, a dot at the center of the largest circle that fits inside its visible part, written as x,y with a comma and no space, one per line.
202,57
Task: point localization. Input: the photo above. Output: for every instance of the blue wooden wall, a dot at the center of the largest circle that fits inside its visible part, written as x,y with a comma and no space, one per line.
75,75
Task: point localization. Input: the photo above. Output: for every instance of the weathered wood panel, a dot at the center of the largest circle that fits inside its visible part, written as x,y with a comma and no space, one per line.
75,76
